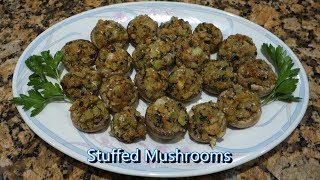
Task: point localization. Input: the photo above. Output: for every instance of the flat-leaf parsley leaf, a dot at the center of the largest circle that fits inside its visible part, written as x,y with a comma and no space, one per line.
43,91
286,82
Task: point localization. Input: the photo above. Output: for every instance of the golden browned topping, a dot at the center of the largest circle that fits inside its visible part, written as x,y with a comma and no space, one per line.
207,36
109,32
236,49
166,118
118,92
138,57
152,84
128,125
184,84
113,60
78,53
257,76
174,29
191,55
142,28
158,54
89,114
241,107
206,123
81,81
217,76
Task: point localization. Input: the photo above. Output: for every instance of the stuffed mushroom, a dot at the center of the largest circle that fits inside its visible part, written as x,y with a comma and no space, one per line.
113,60
141,28
236,49
174,29
118,92
128,125
192,55
89,114
207,36
166,118
206,123
217,76
151,84
78,53
184,84
109,32
257,76
157,54
241,107
81,81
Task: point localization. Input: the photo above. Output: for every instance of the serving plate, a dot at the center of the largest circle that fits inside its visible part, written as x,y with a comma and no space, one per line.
54,125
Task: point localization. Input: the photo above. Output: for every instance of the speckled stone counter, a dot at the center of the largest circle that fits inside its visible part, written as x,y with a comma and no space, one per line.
24,155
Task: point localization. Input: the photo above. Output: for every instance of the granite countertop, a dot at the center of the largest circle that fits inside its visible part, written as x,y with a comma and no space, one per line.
24,154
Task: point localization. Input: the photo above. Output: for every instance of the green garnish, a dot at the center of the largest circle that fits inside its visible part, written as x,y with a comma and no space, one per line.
43,91
45,65
287,81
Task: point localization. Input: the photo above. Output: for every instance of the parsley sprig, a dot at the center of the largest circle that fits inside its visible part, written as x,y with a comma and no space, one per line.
286,82
43,91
